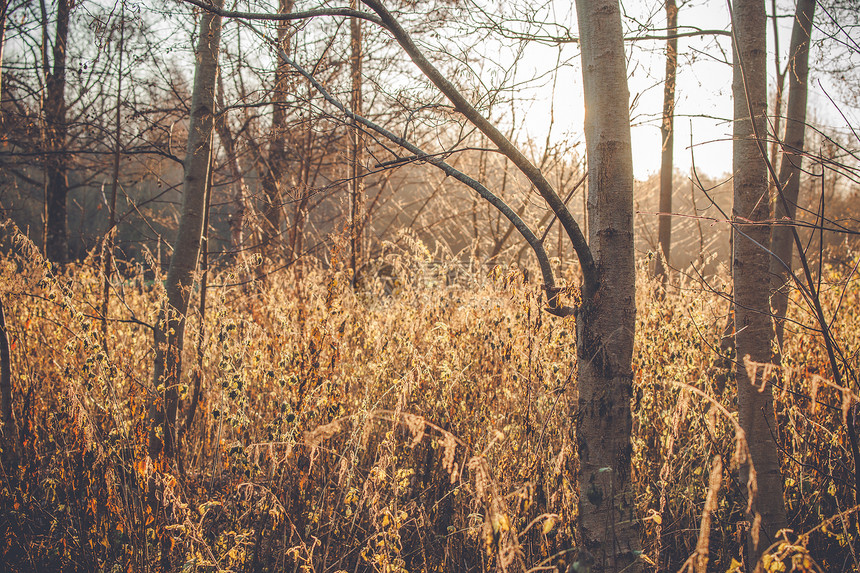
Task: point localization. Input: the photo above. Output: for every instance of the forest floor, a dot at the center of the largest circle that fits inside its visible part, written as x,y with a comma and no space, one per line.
421,423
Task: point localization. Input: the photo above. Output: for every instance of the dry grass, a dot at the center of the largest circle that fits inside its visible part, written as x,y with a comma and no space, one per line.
428,429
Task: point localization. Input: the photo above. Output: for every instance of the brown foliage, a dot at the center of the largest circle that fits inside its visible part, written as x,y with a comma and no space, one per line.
410,426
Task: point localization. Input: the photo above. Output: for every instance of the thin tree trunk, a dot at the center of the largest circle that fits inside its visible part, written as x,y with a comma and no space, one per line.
779,85
240,197
5,378
170,329
57,184
197,378
300,212
792,156
753,325
109,234
274,168
4,8
664,229
43,125
356,186
607,526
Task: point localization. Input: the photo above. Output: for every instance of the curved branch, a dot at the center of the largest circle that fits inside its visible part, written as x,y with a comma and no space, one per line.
534,175
549,285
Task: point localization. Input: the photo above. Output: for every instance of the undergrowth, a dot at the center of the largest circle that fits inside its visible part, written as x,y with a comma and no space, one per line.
419,423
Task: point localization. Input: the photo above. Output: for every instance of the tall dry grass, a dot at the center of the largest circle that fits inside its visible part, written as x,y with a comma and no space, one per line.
420,424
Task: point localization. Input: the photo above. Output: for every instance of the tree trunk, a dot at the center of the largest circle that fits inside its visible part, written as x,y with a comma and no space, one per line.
607,521
4,8
170,329
240,197
753,325
107,253
197,378
792,156
5,378
274,169
664,230
356,186
56,165
779,85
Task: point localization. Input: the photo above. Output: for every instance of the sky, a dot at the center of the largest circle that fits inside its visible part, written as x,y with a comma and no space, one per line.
703,91
704,100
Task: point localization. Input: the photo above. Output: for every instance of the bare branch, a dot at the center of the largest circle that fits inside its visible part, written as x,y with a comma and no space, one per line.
461,104
434,159
280,17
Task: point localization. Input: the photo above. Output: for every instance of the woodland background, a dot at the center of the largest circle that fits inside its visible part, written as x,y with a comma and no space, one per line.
370,379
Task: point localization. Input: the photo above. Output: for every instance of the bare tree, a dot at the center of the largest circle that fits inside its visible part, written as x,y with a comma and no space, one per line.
4,9
607,522
606,319
170,329
750,263
664,230
108,246
356,186
5,378
782,241
273,166
54,117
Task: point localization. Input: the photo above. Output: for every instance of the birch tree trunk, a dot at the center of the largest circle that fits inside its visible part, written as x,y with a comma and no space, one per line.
608,527
753,325
792,158
664,229
170,329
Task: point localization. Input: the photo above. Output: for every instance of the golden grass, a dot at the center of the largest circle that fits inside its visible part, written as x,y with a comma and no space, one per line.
424,430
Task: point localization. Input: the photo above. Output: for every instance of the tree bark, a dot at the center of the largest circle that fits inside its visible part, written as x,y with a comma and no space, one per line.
170,329
753,325
608,527
782,241
56,165
664,229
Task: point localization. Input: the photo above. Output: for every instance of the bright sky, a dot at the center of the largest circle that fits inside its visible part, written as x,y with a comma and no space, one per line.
704,98
703,91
